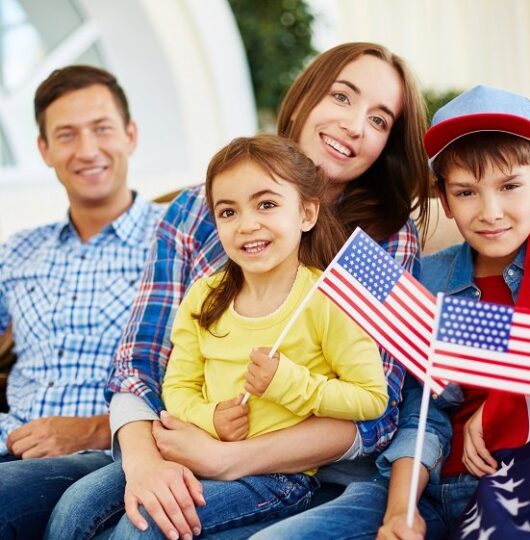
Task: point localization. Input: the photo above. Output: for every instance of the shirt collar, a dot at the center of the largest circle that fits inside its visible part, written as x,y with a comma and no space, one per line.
461,274
126,226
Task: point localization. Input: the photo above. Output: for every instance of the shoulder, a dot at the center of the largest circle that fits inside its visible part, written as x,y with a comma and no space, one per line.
404,246
436,268
30,238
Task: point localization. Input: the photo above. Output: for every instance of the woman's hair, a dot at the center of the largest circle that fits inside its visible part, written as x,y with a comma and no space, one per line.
282,160
478,151
382,198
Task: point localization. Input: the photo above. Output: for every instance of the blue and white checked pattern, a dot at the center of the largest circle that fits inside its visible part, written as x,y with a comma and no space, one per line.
187,247
68,302
482,344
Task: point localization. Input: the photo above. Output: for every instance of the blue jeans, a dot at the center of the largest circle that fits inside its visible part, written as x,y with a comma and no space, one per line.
93,505
233,504
358,513
30,488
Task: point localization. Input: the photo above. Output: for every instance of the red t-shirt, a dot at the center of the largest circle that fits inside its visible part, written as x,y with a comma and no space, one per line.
493,289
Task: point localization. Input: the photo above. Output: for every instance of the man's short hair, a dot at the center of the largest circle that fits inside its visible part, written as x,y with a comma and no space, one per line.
76,77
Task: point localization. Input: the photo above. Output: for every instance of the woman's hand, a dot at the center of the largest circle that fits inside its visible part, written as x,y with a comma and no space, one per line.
395,528
261,370
477,458
230,420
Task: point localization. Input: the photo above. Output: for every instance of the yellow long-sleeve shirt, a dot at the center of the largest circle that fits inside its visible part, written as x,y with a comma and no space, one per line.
328,365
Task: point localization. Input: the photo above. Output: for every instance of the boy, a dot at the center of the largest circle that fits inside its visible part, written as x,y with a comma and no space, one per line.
479,150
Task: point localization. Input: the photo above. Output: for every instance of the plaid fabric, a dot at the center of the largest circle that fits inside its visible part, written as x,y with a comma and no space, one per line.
68,302
404,247
187,248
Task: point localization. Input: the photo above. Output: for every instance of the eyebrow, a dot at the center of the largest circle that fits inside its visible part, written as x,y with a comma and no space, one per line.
253,197
357,91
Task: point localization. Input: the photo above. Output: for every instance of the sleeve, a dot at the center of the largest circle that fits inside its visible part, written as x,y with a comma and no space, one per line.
358,392
182,390
404,247
438,433
179,253
5,317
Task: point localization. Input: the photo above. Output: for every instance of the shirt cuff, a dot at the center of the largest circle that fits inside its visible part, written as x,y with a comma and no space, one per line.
404,445
126,408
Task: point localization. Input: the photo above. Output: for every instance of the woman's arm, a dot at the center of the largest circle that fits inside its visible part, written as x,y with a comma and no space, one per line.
307,445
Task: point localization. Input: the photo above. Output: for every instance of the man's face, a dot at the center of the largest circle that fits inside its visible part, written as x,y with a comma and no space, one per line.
88,145
491,213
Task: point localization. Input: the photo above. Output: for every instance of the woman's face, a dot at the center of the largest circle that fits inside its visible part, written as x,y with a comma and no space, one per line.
347,130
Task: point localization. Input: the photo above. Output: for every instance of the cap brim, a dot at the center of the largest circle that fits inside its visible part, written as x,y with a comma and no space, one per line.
441,135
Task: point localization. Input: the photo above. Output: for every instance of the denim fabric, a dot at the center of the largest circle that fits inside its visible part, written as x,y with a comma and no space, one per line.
359,511
30,489
233,504
89,506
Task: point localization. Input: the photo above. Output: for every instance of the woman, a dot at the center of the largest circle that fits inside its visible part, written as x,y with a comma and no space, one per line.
357,112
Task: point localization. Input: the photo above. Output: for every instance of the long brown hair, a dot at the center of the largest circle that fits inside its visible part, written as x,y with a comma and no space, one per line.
381,199
282,160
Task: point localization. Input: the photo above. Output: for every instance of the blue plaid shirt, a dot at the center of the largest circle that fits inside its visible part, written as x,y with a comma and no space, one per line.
186,248
68,302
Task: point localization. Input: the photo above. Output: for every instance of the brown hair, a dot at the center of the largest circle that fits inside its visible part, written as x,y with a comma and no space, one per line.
478,151
282,160
65,80
381,199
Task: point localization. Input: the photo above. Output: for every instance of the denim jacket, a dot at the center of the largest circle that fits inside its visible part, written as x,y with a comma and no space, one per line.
449,271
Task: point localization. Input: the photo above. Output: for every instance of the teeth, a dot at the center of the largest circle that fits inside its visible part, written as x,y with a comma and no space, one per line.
337,146
255,247
91,170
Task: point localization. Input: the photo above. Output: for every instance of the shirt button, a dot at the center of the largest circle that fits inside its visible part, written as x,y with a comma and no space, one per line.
393,403
510,272
74,297
476,293
60,353
435,396
50,384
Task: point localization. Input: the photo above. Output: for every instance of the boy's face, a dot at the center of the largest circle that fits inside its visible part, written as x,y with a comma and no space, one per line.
493,214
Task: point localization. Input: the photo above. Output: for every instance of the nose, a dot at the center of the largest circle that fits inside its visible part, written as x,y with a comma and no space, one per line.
353,123
248,223
491,209
87,147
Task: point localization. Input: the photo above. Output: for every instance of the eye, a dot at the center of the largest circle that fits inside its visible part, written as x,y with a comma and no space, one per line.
267,205
65,136
379,122
340,97
509,187
225,213
463,193
103,129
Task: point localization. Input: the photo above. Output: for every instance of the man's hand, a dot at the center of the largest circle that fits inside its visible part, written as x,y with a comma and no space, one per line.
230,420
395,528
169,492
261,370
477,458
58,436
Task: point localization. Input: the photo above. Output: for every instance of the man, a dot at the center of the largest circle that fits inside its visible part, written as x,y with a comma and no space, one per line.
67,289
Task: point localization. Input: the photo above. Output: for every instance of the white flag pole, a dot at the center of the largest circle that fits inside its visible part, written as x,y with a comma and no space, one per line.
308,296
420,437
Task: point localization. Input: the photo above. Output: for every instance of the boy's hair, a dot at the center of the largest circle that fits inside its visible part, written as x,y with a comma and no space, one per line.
476,152
282,160
66,80
381,199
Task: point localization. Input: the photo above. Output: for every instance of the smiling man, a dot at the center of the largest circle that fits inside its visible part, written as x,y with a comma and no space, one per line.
67,289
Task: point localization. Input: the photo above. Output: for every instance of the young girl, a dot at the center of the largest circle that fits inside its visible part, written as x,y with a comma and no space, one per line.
264,194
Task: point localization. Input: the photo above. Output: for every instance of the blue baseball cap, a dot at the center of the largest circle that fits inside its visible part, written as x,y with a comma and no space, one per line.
483,108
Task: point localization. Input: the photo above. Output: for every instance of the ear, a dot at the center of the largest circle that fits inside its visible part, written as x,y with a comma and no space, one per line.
44,150
443,201
310,211
132,134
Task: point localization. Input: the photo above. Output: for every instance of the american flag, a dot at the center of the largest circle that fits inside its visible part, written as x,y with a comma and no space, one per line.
385,301
500,508
482,344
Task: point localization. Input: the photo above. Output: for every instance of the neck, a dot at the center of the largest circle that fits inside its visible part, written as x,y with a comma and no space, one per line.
90,220
262,294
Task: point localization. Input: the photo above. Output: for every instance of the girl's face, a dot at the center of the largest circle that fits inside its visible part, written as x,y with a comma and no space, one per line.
348,129
260,221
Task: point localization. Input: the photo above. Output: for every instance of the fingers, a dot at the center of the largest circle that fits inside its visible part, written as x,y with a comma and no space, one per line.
186,519
133,513
170,422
